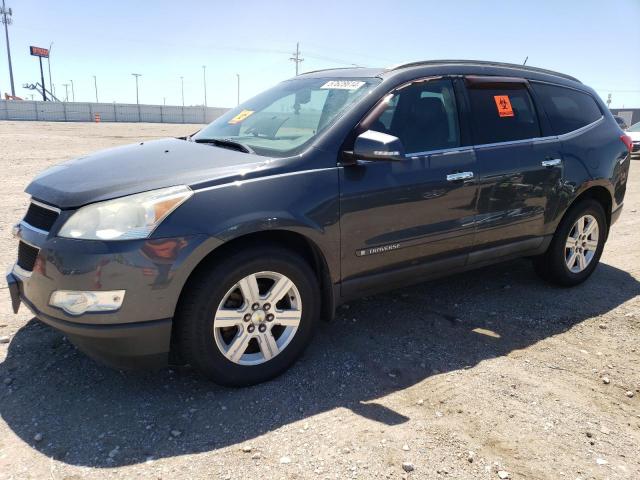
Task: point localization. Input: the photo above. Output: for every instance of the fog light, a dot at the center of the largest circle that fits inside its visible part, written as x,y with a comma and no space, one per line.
77,303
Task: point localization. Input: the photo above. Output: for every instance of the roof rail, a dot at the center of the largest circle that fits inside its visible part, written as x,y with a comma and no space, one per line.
482,63
329,69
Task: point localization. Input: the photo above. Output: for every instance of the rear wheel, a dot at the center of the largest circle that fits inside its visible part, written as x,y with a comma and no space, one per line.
576,247
248,318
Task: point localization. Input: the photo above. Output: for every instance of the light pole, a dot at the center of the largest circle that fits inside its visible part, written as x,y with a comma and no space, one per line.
182,87
238,77
49,66
95,84
204,79
137,97
73,92
6,19
66,91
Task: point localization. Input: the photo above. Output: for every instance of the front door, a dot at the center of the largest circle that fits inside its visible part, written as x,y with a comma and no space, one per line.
401,213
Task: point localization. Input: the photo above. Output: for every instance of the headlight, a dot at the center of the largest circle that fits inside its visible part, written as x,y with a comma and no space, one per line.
134,216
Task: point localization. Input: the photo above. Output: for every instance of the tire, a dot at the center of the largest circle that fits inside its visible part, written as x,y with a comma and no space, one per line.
209,345
553,265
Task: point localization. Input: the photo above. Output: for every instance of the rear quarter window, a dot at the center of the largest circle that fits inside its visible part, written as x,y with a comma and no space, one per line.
566,109
502,114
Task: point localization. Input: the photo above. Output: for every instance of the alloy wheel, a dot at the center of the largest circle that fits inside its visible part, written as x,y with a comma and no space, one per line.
581,244
257,318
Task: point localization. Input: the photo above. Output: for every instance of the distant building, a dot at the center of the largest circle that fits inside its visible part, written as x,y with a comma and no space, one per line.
630,115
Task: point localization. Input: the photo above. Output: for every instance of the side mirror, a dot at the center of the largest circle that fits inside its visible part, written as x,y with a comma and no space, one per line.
378,146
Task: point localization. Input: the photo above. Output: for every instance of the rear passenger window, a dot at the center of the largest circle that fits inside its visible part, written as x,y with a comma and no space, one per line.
423,116
566,109
502,114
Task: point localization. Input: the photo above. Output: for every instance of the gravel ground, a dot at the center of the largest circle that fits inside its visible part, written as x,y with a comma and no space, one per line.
489,374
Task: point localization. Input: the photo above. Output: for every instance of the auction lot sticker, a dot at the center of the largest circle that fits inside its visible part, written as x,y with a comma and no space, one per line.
343,85
240,117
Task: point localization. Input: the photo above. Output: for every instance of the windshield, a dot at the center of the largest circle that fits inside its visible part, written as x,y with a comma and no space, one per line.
634,128
283,120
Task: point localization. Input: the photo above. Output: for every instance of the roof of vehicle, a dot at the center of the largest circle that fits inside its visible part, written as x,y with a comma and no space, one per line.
487,67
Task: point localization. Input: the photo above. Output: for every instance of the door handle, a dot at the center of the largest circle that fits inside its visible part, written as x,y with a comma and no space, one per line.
454,177
552,162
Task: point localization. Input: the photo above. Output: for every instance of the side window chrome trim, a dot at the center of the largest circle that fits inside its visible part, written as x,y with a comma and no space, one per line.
517,142
564,136
574,133
441,151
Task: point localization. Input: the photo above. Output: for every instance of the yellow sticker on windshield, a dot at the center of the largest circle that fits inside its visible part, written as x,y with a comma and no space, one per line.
240,117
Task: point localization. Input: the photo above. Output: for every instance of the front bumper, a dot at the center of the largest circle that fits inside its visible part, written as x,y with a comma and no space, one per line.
152,272
127,345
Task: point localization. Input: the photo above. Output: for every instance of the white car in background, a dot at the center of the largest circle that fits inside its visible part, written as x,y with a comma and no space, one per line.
634,132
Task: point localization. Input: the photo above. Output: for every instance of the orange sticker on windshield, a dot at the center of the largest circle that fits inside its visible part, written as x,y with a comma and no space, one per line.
504,105
240,117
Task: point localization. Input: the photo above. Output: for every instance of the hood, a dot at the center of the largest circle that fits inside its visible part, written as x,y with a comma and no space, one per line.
635,136
137,168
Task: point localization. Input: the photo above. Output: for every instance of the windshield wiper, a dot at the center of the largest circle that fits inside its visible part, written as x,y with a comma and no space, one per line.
226,143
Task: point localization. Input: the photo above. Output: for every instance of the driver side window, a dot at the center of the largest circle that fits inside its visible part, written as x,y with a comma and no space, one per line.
423,116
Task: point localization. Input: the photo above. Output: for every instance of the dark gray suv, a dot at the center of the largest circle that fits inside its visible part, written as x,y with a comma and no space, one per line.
224,249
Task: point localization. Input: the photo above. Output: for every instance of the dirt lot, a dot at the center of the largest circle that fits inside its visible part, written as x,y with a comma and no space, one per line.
482,375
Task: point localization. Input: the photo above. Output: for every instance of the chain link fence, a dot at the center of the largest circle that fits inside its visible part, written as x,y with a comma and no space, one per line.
105,112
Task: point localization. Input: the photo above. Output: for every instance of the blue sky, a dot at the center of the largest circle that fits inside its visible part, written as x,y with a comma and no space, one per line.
590,39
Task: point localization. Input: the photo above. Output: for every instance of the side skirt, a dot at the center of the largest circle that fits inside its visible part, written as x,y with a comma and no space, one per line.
409,275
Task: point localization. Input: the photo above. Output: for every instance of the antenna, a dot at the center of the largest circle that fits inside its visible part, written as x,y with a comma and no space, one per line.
525,60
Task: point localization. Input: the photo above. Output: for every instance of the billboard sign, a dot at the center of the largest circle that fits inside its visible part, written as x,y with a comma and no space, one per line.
39,52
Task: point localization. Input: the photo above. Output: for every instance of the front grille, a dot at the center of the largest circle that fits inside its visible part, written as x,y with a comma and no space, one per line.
27,256
635,147
40,217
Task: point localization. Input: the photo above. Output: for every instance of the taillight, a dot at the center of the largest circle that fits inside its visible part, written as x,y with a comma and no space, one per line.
626,139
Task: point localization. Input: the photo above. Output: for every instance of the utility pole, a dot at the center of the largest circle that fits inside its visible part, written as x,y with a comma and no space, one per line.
137,98
238,75
49,66
182,87
66,91
6,20
73,92
204,78
296,57
95,84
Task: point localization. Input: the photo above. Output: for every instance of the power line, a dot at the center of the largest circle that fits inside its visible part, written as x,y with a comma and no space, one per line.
334,60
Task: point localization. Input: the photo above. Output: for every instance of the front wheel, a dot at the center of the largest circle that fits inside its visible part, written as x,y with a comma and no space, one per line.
576,247
249,317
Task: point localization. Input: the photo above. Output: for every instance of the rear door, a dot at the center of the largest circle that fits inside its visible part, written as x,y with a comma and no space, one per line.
402,213
519,169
